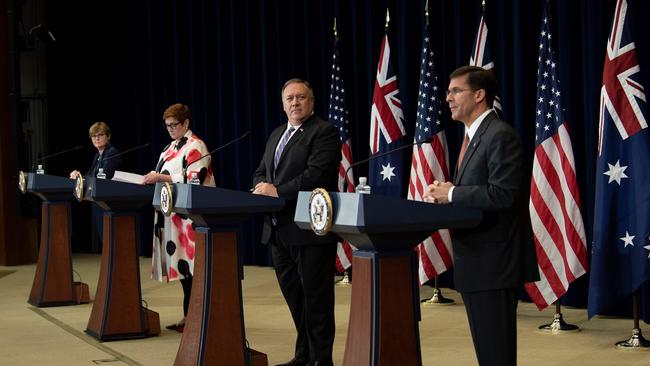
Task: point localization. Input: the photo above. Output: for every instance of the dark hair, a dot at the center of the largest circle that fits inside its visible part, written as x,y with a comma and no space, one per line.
478,78
179,111
298,81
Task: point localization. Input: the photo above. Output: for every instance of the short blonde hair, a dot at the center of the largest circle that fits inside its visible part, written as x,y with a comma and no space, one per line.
98,128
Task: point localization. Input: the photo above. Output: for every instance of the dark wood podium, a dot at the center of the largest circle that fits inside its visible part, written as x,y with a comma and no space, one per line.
53,281
385,306
117,311
214,330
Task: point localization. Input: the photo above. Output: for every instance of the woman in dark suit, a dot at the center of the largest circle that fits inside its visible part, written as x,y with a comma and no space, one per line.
105,159
100,136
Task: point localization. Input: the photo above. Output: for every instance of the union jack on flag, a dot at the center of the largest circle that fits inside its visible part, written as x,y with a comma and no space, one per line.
620,261
481,54
430,161
554,206
338,115
386,128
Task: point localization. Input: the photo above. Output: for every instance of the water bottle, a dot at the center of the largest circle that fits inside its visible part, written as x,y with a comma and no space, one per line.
40,170
194,179
101,174
363,187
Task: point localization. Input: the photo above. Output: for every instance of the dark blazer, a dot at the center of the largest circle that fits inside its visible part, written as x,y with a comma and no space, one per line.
499,252
310,160
105,161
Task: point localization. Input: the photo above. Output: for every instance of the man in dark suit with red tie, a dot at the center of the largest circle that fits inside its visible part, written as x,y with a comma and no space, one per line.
301,155
493,259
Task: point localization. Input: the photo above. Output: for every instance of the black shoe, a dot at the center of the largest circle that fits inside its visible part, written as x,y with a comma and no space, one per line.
295,362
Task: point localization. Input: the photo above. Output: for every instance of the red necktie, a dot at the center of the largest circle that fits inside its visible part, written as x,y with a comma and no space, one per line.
463,150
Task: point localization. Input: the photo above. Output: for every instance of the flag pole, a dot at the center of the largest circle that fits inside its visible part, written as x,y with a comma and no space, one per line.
437,298
347,273
636,341
387,20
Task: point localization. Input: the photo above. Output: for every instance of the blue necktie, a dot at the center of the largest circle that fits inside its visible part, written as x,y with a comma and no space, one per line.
283,143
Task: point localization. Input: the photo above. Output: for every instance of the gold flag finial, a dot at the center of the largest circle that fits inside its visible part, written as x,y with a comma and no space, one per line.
426,9
483,4
335,34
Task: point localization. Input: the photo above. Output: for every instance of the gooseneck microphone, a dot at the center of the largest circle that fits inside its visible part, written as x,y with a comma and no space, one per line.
42,159
373,157
186,165
128,151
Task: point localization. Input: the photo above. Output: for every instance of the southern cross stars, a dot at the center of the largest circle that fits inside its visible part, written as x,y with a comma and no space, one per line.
387,172
616,172
627,239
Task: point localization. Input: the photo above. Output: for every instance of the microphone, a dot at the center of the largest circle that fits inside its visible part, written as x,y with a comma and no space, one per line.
185,166
219,148
373,157
59,153
127,151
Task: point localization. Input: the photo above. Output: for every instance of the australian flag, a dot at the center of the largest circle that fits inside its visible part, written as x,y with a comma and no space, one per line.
386,128
621,245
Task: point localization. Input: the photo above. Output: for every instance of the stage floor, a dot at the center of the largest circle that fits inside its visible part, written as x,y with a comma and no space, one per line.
55,336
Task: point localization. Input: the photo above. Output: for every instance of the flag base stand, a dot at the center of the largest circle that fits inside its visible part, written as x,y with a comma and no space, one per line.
558,325
438,299
345,281
635,342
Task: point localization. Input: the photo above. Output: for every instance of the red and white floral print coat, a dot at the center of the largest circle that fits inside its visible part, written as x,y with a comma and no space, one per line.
173,236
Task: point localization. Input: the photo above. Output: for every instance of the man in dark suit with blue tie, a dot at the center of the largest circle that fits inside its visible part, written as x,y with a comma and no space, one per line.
302,155
493,259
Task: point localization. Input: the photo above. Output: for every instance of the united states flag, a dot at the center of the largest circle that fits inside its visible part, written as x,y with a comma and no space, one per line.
430,162
338,115
554,205
386,128
481,54
620,261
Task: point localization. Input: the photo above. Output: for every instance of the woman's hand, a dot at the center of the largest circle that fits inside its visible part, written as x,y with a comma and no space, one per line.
74,174
153,178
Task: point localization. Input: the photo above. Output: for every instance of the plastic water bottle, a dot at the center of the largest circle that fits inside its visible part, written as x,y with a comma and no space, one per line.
40,170
101,174
363,187
194,179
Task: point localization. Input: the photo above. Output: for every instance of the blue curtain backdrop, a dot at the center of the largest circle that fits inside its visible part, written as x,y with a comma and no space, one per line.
125,61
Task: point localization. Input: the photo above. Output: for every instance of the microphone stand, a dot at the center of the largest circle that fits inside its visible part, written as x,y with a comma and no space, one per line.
185,165
57,154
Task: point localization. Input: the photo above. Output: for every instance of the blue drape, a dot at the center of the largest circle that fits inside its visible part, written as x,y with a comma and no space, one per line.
126,61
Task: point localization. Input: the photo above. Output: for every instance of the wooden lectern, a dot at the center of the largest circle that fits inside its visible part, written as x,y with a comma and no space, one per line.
53,282
214,330
117,311
385,306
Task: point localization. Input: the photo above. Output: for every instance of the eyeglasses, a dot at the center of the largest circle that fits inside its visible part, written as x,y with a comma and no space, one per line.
456,91
172,125
97,135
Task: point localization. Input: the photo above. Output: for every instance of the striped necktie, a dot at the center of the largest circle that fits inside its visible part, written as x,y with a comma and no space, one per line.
283,143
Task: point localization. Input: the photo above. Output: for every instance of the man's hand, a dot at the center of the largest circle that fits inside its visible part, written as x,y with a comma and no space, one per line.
437,192
265,189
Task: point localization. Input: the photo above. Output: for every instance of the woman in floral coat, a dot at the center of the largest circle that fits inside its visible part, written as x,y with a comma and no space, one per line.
173,240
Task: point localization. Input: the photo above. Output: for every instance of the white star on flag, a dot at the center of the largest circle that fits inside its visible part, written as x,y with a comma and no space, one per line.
387,172
627,239
616,172
648,248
